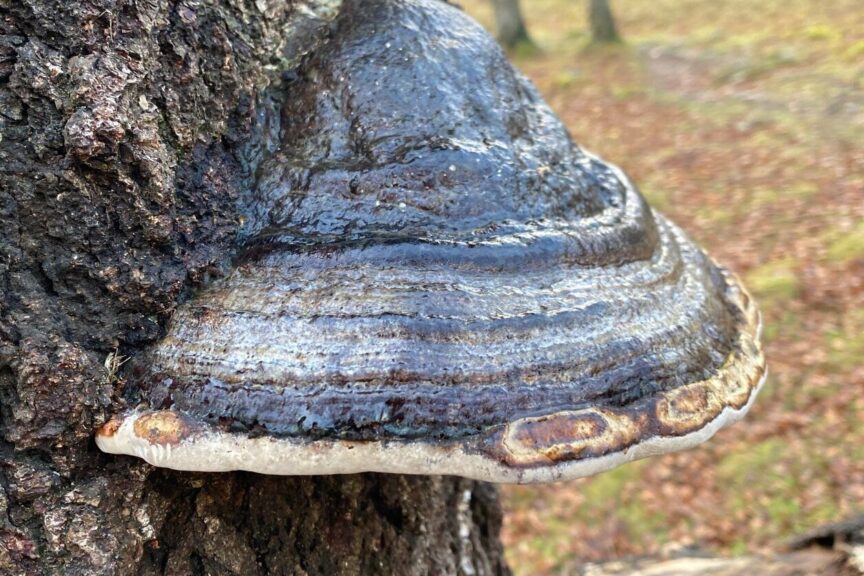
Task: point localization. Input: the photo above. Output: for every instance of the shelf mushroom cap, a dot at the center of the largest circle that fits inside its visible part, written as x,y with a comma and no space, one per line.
436,280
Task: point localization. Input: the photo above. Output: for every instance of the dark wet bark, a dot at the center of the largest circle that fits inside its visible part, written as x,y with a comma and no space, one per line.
509,23
128,137
603,28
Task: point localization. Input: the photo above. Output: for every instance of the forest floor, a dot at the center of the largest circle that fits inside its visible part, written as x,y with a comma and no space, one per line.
744,122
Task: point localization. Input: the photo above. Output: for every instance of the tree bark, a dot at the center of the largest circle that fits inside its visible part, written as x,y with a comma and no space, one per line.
603,29
129,132
510,24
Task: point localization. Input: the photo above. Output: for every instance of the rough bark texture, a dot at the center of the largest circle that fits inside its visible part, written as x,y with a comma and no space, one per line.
510,24
603,27
128,135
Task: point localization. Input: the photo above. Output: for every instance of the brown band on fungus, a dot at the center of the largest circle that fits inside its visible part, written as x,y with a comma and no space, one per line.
163,427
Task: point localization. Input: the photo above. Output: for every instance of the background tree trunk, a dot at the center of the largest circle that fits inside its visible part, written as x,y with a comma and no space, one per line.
129,130
603,27
510,24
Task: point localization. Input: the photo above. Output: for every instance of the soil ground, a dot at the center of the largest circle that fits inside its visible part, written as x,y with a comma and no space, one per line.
744,122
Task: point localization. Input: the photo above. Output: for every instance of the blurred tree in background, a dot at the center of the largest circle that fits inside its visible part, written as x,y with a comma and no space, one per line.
603,29
512,32
510,24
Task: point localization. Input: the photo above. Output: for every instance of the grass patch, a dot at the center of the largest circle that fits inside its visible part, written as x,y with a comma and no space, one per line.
824,392
820,32
762,197
845,351
657,198
845,344
739,547
787,325
568,79
744,468
640,523
715,217
756,68
766,469
847,246
855,51
774,283
607,487
525,50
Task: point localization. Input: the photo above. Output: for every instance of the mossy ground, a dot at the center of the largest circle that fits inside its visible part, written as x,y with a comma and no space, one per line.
744,122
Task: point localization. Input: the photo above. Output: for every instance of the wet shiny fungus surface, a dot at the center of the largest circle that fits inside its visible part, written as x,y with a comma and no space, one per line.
430,260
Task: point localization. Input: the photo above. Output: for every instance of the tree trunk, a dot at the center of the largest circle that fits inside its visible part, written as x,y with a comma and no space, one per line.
510,24
603,29
129,130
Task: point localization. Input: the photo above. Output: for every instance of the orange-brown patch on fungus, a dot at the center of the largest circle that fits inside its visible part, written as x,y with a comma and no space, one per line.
164,427
109,428
569,435
689,408
552,430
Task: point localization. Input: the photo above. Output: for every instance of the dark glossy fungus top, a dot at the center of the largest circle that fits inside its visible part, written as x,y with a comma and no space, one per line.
431,259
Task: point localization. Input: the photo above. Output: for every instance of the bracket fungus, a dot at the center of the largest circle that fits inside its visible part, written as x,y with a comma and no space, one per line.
435,279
